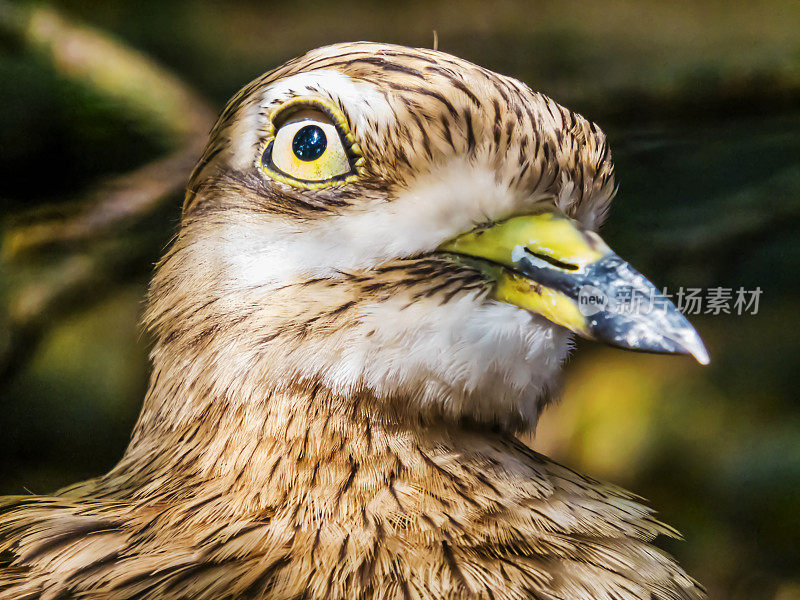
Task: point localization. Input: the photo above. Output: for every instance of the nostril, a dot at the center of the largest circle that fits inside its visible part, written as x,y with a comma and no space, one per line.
552,261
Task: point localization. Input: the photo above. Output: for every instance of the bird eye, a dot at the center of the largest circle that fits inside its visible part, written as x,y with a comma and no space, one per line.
309,143
308,147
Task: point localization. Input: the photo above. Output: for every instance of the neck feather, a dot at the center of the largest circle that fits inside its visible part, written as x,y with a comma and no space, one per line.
338,483
271,446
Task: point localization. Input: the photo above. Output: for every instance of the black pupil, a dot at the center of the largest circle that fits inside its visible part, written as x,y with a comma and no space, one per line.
309,143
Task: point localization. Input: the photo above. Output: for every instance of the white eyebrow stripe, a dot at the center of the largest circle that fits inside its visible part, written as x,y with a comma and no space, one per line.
366,106
363,101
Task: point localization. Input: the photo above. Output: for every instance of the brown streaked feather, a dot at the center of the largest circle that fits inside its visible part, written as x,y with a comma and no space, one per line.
379,514
249,479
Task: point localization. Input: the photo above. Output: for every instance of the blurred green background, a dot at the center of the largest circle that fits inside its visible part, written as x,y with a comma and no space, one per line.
701,103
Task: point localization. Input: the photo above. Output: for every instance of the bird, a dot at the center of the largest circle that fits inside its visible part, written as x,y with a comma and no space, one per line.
383,257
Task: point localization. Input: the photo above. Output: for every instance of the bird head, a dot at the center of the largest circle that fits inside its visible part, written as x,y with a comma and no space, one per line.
399,223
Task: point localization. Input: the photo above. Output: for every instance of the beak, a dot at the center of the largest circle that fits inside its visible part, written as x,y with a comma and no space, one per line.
548,264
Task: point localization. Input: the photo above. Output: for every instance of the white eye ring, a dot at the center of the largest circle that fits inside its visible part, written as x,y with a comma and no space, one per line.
308,147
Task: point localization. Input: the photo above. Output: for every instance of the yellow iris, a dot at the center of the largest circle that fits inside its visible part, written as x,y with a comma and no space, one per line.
309,148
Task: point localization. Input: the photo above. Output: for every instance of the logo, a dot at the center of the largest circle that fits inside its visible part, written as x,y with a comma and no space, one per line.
592,300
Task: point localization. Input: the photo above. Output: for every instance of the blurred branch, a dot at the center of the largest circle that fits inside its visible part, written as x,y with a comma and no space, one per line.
108,67
140,88
76,281
121,201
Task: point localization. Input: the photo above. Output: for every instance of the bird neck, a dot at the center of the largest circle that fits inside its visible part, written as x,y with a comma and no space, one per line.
283,447
337,488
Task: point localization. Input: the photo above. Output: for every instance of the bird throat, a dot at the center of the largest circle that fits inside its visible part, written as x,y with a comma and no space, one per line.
298,448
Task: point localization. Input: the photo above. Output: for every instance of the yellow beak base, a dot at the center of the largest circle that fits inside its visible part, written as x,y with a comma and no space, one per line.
547,264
